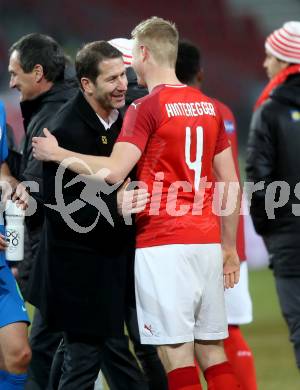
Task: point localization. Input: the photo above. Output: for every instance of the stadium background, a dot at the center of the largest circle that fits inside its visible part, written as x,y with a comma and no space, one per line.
231,35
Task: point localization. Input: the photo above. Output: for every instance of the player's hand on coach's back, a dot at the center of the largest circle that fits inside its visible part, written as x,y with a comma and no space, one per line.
231,267
44,148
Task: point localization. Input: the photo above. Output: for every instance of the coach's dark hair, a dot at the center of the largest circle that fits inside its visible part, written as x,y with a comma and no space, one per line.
41,49
88,59
189,62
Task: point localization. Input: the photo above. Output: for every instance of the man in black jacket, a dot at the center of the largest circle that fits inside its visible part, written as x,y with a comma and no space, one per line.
38,70
273,165
36,67
83,283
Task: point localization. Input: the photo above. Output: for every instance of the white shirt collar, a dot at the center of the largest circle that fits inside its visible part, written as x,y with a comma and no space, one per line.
111,119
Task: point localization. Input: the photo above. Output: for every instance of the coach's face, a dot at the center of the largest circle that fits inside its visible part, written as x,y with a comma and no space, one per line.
25,83
111,85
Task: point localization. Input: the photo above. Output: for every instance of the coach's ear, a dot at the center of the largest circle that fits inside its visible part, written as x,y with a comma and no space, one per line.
87,85
38,72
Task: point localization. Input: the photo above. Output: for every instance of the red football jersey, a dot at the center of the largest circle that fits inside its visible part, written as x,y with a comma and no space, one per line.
230,127
179,131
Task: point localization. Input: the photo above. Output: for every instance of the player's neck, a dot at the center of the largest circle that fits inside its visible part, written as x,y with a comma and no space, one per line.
160,76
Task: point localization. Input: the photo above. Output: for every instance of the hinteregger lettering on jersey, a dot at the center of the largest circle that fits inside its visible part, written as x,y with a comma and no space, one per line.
179,131
190,109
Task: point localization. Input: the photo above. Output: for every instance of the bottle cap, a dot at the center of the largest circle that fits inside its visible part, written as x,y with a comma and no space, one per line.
12,209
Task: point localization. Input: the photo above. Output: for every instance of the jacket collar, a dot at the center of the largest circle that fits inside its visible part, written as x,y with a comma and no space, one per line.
29,107
112,118
60,92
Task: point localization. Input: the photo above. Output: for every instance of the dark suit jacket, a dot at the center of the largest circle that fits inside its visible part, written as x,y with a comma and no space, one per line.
79,283
37,114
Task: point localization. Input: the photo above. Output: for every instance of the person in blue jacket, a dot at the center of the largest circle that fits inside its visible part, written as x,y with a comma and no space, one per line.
15,352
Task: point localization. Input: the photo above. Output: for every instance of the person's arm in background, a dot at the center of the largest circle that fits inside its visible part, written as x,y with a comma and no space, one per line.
224,170
8,182
16,190
11,186
14,157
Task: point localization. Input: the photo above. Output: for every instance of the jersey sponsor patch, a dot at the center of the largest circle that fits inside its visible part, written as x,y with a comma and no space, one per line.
295,115
229,126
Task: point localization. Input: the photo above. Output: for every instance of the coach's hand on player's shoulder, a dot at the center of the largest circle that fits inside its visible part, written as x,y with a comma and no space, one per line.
231,267
131,201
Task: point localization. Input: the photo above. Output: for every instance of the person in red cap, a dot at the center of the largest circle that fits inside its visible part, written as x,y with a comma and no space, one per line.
273,162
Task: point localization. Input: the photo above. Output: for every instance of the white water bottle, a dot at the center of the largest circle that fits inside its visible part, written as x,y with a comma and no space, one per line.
14,216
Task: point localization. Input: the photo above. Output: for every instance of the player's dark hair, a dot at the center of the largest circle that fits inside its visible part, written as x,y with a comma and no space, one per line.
40,49
90,56
188,63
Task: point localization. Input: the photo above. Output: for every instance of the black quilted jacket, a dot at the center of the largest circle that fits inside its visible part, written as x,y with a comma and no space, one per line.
273,157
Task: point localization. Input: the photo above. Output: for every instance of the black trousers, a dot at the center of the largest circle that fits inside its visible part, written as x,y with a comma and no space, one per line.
79,359
118,364
288,289
115,360
44,344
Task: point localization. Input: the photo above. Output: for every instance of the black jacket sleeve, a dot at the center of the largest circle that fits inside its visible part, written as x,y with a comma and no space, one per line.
260,164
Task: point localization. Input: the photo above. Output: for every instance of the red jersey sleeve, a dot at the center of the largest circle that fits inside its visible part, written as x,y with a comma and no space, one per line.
222,140
138,125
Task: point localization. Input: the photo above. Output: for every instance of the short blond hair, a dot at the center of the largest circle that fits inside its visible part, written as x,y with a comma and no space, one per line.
161,38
